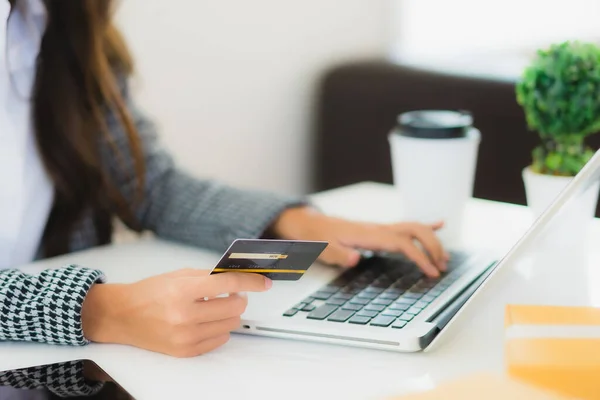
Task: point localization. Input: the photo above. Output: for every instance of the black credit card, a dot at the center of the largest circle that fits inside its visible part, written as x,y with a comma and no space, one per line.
285,260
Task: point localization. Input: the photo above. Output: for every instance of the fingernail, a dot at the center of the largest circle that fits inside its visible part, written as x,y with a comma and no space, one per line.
434,272
268,283
443,265
447,256
353,259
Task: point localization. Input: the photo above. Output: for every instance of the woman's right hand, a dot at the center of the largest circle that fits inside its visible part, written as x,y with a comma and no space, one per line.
168,313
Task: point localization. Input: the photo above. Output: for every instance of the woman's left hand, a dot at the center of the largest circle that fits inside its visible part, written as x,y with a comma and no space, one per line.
346,237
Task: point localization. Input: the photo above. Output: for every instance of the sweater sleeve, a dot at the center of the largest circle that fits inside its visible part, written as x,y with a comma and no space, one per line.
45,308
178,206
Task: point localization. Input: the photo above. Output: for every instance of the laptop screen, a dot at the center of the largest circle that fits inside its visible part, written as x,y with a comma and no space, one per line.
72,379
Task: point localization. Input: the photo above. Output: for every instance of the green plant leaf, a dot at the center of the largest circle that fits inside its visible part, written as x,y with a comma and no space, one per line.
560,95
572,164
559,91
553,161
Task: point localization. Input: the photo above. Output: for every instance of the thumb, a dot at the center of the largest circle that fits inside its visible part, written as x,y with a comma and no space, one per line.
343,256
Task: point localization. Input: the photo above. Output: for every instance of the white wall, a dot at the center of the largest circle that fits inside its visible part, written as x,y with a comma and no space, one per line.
230,82
463,27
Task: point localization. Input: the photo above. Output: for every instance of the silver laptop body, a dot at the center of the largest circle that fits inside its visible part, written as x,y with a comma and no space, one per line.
401,310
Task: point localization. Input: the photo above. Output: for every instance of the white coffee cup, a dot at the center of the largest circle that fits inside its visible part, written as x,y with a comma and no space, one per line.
434,157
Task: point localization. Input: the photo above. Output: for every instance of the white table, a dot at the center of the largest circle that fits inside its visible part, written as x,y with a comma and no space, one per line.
253,367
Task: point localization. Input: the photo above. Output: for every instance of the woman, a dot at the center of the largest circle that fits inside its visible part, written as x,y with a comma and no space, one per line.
79,153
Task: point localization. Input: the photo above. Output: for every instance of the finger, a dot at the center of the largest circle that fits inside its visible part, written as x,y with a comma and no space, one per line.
211,344
437,226
343,256
415,254
188,272
428,239
219,309
187,340
225,283
407,227
200,348
432,245
213,329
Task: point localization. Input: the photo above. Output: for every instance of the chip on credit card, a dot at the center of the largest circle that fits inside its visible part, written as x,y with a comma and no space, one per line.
285,260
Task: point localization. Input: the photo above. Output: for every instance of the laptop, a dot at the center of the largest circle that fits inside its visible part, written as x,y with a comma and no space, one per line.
386,302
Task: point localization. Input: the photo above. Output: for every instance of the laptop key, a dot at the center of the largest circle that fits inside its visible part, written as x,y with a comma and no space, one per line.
383,321
373,289
299,306
336,302
340,316
411,295
375,307
400,306
367,295
351,306
421,304
341,280
368,313
345,296
428,298
402,284
422,291
392,313
399,324
320,295
429,283
382,284
384,302
351,290
406,317
416,275
406,300
308,300
389,295
394,290
329,289
360,320
290,313
309,307
322,312
356,286
360,300
444,285
413,310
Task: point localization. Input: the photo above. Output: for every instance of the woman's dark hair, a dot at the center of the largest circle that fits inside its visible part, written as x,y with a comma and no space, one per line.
81,62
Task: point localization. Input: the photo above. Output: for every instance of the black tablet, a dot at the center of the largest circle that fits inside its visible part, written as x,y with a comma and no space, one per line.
80,379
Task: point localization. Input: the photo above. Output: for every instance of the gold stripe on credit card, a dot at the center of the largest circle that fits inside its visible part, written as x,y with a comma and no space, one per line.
258,256
260,271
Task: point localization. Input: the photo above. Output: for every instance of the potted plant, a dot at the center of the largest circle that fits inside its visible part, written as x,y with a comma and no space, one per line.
560,95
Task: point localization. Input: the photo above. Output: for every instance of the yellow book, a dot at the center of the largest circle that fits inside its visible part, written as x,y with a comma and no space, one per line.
554,347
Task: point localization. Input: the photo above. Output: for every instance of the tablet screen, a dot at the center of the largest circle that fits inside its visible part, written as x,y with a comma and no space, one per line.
81,379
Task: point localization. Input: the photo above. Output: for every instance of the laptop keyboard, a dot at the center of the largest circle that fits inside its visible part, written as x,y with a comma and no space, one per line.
380,291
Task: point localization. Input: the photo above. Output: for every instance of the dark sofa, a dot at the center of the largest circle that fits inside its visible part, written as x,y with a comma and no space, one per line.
357,106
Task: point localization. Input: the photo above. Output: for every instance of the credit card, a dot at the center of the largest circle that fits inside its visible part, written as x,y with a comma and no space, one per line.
284,260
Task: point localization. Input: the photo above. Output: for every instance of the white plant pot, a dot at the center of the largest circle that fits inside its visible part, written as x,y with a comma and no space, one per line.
569,229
